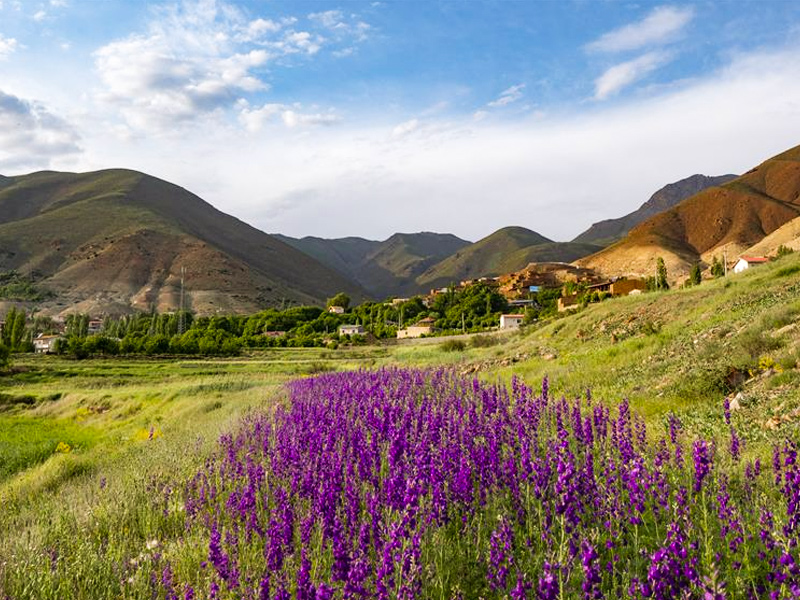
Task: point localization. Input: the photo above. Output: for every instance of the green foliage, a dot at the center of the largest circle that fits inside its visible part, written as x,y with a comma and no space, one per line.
661,275
452,345
473,308
783,251
5,355
14,286
717,268
695,275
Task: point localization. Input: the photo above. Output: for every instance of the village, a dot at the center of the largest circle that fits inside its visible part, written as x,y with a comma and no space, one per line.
522,290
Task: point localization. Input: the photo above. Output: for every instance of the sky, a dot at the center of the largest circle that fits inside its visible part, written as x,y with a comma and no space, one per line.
364,119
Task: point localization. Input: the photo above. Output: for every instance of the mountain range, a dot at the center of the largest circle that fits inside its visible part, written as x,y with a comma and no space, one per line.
114,241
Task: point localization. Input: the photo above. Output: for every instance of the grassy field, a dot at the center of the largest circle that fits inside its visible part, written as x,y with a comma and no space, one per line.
89,450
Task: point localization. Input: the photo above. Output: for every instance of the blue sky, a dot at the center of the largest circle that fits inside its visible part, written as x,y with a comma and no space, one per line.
366,118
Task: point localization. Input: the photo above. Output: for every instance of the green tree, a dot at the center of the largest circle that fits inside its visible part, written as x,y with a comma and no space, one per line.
340,299
661,275
717,268
783,251
5,355
695,275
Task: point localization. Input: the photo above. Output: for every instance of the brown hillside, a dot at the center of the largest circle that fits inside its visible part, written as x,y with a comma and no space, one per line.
733,216
115,241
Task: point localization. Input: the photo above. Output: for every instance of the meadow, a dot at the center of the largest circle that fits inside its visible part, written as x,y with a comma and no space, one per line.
423,470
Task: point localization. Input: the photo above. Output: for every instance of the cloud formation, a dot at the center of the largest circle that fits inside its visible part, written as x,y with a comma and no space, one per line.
662,25
31,137
200,58
255,119
508,96
7,47
614,79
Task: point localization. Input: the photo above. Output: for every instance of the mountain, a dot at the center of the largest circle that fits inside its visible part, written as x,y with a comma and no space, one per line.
386,268
731,218
506,250
609,231
116,240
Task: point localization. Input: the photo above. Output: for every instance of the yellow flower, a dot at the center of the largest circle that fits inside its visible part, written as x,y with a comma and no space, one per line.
63,448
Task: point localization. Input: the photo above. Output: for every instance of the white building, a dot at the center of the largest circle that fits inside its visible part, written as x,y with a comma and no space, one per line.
745,262
45,344
337,310
351,330
511,321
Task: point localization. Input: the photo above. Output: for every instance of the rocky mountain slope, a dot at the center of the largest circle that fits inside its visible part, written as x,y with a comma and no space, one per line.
728,218
609,231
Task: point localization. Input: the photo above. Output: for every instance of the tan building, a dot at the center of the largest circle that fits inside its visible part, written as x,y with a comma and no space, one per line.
336,310
418,329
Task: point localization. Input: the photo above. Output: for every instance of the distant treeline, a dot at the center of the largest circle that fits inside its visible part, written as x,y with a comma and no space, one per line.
471,309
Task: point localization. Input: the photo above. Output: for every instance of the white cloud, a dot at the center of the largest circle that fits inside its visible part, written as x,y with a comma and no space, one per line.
7,47
255,119
340,25
32,137
405,128
508,96
58,3
332,19
624,74
39,16
188,64
662,25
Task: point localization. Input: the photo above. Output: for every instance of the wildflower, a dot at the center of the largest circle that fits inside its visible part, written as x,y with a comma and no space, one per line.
702,464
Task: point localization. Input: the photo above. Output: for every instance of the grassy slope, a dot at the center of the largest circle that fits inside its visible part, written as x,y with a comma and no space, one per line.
484,257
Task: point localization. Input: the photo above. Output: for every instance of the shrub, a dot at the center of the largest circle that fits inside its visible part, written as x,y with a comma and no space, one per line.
453,346
484,341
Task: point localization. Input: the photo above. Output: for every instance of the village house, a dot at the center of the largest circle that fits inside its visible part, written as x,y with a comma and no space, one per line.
351,330
418,329
511,321
45,344
745,262
95,326
337,310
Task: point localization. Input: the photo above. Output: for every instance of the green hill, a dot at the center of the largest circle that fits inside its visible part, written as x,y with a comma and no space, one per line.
386,268
116,240
506,250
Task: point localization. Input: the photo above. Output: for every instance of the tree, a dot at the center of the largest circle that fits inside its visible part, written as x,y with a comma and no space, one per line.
661,275
340,299
783,251
695,275
717,268
5,353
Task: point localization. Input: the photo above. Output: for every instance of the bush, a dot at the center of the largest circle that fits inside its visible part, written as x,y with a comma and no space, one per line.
484,341
453,346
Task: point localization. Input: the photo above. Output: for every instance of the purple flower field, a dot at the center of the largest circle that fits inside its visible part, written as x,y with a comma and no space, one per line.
423,484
